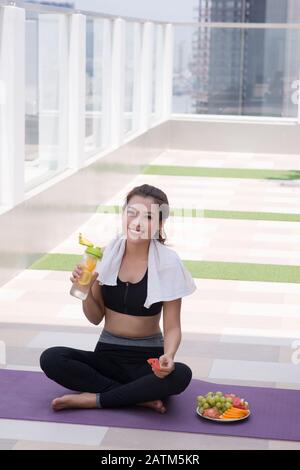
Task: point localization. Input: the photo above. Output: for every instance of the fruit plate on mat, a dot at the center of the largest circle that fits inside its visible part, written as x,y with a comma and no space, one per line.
222,420
222,407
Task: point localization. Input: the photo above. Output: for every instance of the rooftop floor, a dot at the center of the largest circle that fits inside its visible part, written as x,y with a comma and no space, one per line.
235,331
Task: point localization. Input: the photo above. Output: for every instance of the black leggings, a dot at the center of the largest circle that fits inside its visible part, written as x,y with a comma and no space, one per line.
119,373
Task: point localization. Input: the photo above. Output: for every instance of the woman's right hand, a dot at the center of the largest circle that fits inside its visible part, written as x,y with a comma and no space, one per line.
77,272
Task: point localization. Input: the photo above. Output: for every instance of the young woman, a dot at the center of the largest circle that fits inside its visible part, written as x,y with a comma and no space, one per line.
117,373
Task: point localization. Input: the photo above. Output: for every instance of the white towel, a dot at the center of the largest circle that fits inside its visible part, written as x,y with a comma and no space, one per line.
168,279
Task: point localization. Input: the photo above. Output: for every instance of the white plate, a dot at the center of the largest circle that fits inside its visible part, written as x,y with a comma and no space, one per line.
223,420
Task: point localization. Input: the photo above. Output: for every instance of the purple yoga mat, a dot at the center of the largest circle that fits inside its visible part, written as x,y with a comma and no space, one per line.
275,413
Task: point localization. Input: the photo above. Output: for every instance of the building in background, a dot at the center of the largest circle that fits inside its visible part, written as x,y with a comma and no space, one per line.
237,71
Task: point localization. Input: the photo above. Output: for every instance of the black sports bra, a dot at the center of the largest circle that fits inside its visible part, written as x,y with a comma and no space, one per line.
129,298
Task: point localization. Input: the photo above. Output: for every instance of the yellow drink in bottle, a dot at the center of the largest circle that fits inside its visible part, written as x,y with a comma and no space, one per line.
80,289
88,269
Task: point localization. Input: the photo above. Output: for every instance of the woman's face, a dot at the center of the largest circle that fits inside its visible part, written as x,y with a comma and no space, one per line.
140,218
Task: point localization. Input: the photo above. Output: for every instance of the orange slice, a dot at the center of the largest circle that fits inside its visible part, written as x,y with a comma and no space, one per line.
234,413
239,410
85,278
231,417
90,264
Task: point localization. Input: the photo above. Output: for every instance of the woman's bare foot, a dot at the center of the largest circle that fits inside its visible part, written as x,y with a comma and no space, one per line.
156,405
77,400
88,400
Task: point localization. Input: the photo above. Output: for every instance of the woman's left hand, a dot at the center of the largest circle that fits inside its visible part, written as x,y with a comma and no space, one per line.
166,365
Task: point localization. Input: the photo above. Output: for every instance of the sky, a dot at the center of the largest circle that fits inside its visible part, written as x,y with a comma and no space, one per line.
163,10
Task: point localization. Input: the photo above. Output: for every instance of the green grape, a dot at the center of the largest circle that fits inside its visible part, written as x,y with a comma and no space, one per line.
222,399
205,406
219,405
219,394
200,397
201,409
228,405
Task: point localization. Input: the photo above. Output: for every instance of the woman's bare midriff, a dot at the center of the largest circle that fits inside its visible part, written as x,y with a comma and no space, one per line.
132,326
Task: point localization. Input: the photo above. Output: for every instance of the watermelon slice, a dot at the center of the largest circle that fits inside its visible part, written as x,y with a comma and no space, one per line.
154,362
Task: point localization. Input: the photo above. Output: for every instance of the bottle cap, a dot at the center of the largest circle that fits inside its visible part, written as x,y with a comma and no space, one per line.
95,251
84,241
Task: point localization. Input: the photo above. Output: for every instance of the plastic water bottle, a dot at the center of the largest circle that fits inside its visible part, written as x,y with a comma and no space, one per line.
80,289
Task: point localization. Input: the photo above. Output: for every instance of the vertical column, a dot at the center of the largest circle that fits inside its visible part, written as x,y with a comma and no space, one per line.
167,82
159,60
63,93
53,91
12,105
137,77
97,78
146,76
117,83
106,82
77,90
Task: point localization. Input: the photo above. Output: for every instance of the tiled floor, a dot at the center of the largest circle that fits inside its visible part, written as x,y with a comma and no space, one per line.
225,160
234,332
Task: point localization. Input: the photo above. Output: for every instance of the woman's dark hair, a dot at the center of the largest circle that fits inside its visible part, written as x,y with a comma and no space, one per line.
159,198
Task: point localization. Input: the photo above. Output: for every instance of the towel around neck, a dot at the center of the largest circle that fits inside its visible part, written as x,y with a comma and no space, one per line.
168,279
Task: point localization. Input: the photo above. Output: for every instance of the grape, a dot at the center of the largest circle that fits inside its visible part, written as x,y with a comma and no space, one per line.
205,406
219,394
201,409
200,398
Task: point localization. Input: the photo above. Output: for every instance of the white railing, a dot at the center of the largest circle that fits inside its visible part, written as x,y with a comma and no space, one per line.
75,85
90,82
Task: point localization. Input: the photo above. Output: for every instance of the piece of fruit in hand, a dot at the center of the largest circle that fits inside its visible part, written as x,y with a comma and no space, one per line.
154,362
